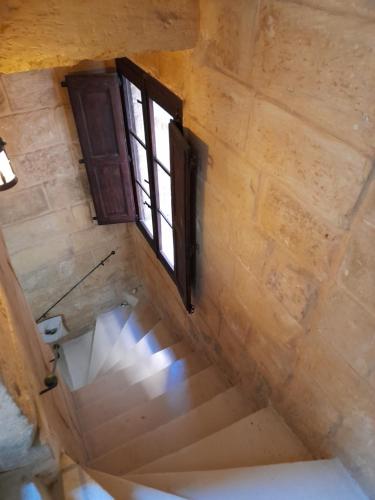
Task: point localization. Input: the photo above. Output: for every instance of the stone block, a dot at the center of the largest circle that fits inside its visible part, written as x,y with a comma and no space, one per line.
310,239
31,90
309,410
82,216
369,205
252,248
228,32
358,268
16,206
363,8
294,287
321,363
315,63
323,170
42,253
44,164
94,236
232,178
259,303
28,132
4,105
28,233
65,191
349,328
220,104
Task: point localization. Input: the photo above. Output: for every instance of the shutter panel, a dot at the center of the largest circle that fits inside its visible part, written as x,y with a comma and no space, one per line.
97,109
183,203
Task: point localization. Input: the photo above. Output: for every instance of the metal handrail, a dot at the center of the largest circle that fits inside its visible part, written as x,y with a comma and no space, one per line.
101,263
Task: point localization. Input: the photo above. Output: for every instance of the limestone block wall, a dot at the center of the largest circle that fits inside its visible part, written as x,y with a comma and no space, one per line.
35,34
280,95
47,218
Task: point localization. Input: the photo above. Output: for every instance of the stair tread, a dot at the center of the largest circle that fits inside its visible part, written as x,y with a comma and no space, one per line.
211,416
140,321
111,399
108,327
78,483
155,340
262,438
308,480
123,489
76,354
181,399
86,395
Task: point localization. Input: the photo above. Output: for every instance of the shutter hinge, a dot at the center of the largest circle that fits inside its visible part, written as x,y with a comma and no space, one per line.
81,161
64,84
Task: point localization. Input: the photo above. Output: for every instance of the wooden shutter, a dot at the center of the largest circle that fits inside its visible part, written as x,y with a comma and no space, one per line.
183,202
97,109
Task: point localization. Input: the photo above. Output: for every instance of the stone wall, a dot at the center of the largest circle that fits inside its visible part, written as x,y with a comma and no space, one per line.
47,217
35,34
280,94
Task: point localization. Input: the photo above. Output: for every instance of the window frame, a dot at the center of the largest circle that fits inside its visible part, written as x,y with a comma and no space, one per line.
151,90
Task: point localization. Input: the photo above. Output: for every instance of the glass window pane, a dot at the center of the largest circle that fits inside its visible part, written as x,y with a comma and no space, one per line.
135,113
164,193
145,214
161,123
166,241
140,160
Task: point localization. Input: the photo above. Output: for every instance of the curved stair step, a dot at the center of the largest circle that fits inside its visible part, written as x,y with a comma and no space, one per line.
155,340
213,415
140,321
262,438
320,479
108,327
181,399
114,380
142,392
111,399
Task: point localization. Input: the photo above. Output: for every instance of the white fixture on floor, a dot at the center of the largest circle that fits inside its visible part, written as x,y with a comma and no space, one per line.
52,329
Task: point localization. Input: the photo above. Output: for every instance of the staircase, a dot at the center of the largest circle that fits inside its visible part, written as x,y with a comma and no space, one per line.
160,422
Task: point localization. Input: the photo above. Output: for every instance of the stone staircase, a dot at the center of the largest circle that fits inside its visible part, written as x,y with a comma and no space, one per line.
160,422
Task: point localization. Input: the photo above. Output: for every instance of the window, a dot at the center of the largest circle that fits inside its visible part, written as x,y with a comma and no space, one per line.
149,109
138,161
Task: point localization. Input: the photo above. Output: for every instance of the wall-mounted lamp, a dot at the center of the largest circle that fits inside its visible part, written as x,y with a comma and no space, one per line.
8,178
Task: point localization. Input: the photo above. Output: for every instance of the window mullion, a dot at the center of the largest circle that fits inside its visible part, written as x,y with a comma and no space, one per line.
151,174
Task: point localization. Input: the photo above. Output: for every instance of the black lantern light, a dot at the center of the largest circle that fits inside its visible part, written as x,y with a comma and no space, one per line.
8,178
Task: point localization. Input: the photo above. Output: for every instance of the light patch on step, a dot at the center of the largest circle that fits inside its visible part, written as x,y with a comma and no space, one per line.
90,492
30,492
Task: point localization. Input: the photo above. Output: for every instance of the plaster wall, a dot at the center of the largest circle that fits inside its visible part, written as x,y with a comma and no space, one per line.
280,95
47,217
37,34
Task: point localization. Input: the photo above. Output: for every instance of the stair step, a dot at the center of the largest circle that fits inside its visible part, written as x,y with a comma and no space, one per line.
77,358
177,401
320,479
110,398
262,438
141,320
81,484
107,330
99,443
155,340
113,381
213,415
122,489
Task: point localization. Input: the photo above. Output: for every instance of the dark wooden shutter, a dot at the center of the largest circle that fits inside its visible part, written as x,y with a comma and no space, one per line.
97,109
183,202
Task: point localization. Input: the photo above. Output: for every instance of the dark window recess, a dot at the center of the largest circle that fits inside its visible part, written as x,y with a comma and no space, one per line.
97,109
138,161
